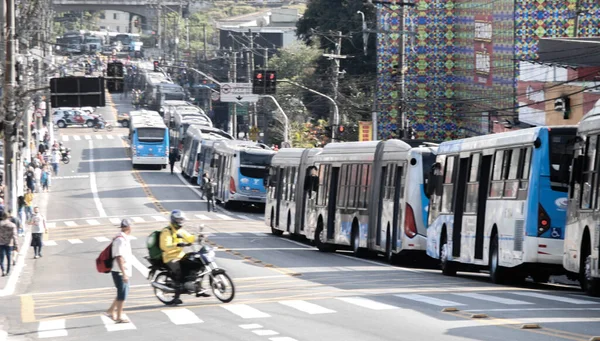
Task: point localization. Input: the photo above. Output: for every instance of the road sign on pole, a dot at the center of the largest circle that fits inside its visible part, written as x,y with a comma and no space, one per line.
237,92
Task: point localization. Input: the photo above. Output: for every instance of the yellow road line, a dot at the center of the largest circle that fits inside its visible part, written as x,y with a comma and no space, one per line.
27,309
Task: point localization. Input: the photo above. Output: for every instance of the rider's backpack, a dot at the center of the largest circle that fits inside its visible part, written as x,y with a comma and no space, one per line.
153,245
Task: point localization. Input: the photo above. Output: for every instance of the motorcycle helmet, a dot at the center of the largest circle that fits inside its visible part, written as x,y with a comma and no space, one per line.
177,218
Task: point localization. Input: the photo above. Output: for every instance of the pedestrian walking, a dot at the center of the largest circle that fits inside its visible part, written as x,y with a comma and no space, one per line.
55,160
30,179
8,241
173,158
37,174
204,180
21,213
209,192
28,198
17,221
38,228
46,179
121,271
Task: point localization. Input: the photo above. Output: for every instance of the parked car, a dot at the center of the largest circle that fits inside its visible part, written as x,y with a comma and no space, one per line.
123,119
64,118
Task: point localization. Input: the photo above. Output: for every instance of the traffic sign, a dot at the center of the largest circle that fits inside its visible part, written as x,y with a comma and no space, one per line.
214,96
237,92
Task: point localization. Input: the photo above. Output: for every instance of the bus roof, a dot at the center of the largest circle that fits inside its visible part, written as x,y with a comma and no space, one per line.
591,121
287,155
206,132
248,146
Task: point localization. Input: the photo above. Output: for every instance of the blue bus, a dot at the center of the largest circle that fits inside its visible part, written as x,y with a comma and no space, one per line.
149,138
499,202
238,169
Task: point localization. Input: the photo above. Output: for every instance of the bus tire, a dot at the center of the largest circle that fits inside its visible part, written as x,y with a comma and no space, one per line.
448,267
388,247
355,242
319,243
496,271
589,285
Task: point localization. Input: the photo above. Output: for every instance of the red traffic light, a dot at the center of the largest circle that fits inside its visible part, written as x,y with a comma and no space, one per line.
271,76
259,76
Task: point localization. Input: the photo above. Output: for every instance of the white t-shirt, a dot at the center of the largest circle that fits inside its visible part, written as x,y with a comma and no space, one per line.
122,247
37,173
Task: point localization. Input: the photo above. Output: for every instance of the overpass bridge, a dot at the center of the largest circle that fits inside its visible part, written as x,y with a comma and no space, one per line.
145,8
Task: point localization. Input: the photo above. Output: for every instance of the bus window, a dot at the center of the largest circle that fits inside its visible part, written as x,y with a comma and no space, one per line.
151,134
342,189
448,187
561,154
525,165
590,175
364,186
293,181
323,178
511,184
390,184
497,184
473,184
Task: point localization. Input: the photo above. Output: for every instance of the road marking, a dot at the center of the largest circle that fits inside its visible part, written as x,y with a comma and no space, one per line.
93,222
307,307
110,137
367,303
283,338
260,234
182,316
49,243
241,216
554,298
99,137
245,311
65,138
159,218
224,217
71,223
138,220
139,266
27,309
235,234
93,185
494,299
558,319
54,328
132,237
111,326
250,326
115,220
429,300
70,177
102,239
265,332
75,241
50,225
88,137
202,217
536,309
76,138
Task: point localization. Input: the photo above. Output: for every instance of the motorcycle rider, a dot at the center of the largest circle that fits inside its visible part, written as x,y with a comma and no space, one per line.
98,122
173,238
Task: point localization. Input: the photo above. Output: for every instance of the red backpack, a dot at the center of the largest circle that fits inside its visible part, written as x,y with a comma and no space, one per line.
105,259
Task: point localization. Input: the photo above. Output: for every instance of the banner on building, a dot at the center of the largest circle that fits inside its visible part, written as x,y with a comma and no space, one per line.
365,131
483,48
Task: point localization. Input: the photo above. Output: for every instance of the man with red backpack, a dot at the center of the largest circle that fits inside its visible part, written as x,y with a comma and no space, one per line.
121,271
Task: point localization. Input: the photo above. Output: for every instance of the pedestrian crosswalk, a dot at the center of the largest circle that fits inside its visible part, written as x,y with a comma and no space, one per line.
149,219
104,239
239,313
88,137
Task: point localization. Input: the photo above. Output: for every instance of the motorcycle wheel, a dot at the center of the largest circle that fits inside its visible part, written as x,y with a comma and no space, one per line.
220,285
95,129
66,160
109,127
165,298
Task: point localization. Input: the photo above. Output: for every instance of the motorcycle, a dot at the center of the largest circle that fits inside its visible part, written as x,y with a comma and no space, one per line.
66,156
195,266
106,126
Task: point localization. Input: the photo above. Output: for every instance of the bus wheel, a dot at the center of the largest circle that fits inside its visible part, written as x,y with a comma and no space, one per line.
320,242
496,271
448,267
589,284
388,247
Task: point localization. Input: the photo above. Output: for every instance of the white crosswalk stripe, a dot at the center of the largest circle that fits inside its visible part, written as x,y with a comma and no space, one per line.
250,326
554,298
65,138
159,218
76,138
283,338
245,311
367,303
111,326
49,243
224,217
491,298
70,223
93,222
50,225
75,241
102,239
137,219
265,332
87,137
182,316
307,307
114,220
110,137
53,328
202,217
429,300
98,137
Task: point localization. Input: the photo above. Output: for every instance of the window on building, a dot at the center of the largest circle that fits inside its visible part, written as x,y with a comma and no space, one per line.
116,16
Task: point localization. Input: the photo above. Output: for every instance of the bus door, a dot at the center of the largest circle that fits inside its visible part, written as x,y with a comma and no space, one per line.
459,205
484,183
381,195
397,197
332,201
278,191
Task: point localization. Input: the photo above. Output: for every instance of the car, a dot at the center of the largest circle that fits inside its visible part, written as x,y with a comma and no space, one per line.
64,118
123,119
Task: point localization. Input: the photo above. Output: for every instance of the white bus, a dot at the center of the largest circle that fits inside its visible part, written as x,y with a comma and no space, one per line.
192,146
289,190
371,196
499,203
582,240
149,138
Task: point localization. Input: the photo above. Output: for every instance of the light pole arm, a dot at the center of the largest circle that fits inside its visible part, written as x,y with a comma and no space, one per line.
286,123
336,111
198,72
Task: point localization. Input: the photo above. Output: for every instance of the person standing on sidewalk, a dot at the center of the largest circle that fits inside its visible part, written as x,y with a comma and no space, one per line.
45,179
55,159
29,204
209,192
173,158
17,221
37,174
8,241
38,228
121,271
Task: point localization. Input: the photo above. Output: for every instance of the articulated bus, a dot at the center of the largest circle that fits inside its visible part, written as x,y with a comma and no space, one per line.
238,169
499,203
582,240
192,147
149,139
288,190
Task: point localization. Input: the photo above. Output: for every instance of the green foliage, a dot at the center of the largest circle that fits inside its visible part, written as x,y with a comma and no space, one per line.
296,62
309,135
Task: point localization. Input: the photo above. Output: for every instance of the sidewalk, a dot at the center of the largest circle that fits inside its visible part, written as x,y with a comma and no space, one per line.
8,283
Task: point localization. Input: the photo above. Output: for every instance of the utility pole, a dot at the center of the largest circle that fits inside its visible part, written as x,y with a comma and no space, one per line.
253,120
160,40
336,80
266,57
9,109
233,79
205,41
177,35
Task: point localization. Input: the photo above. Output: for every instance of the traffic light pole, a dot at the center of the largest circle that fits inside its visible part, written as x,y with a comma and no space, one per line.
233,79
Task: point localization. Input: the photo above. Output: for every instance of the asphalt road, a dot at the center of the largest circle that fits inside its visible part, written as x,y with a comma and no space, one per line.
286,290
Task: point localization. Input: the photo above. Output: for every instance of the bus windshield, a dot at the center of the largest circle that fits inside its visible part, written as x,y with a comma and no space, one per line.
561,155
252,159
428,161
151,134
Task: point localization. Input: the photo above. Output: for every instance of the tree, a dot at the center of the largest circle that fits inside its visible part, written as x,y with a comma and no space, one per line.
297,62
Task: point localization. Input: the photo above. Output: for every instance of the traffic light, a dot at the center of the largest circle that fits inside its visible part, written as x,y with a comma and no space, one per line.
341,129
563,104
258,82
156,66
271,83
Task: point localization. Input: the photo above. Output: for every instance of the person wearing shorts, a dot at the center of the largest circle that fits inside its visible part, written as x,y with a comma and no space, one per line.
121,271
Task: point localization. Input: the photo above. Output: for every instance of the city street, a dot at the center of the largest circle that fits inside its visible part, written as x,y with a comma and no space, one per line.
285,290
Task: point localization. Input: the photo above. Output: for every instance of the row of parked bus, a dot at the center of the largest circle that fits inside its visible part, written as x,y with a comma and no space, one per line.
517,204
